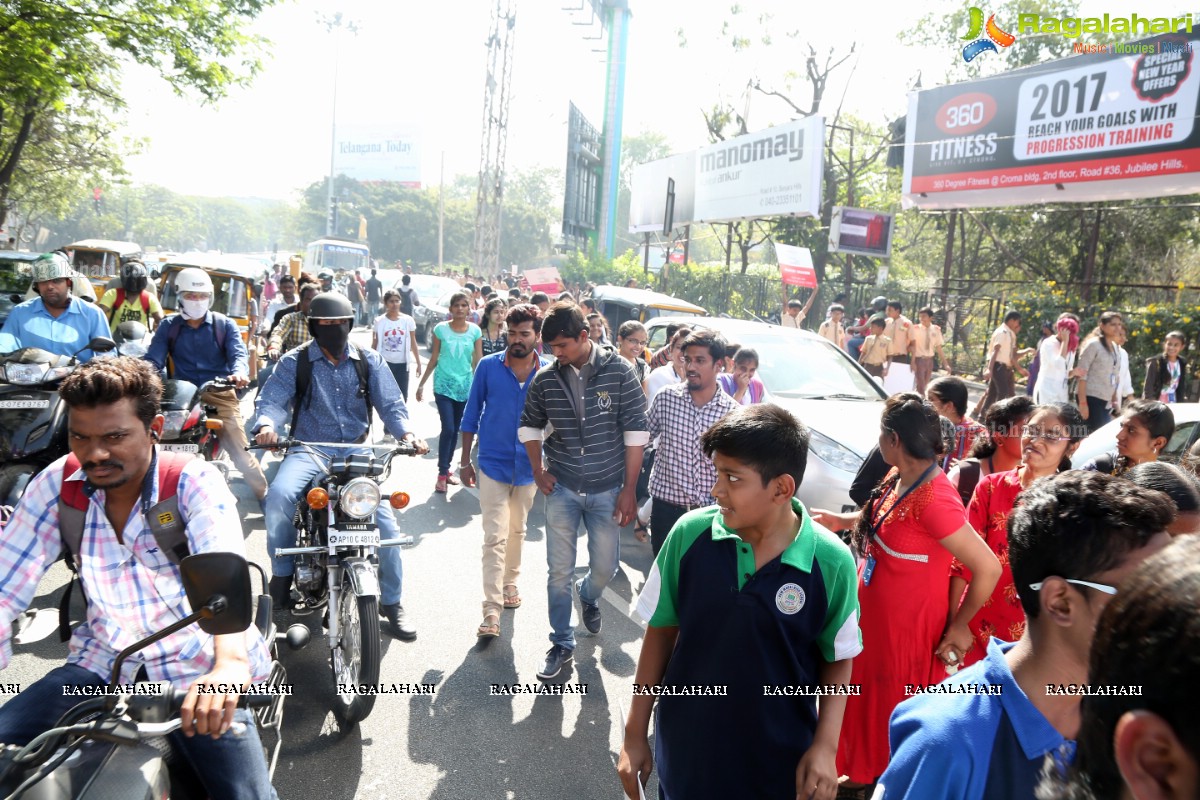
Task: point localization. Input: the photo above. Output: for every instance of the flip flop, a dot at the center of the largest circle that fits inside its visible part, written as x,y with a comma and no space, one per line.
488,630
512,599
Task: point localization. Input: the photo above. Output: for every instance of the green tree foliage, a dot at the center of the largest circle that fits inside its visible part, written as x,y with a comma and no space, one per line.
402,222
56,58
158,218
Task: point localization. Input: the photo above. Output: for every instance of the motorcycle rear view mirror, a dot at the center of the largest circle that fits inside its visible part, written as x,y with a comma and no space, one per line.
101,344
218,587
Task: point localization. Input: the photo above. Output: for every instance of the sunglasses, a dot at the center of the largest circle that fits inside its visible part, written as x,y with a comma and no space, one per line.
1102,587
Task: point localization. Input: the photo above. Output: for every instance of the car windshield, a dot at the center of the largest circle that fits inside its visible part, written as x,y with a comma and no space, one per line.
14,276
796,366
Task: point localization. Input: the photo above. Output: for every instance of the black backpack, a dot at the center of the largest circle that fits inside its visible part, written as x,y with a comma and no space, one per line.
406,303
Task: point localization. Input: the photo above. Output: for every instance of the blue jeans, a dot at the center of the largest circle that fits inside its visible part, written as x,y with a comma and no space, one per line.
564,510
451,413
854,345
291,482
232,766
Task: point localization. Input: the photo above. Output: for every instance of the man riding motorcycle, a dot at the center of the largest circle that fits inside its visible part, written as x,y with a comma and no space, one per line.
203,345
131,584
54,320
335,410
133,301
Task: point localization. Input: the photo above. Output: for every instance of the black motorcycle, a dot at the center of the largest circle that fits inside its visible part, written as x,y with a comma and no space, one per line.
336,564
33,418
189,425
115,745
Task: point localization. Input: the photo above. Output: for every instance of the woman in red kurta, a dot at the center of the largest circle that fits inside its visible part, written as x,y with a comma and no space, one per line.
1048,441
907,533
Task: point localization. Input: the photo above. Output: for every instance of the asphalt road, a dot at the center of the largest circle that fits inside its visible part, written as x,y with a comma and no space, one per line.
460,742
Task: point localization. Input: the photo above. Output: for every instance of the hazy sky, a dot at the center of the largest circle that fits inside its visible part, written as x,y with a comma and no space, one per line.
420,66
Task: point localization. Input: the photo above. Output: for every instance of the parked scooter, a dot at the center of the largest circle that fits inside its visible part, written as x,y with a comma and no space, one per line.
33,418
336,565
115,745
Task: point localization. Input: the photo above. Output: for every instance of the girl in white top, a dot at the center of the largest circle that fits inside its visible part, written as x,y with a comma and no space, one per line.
1057,360
394,336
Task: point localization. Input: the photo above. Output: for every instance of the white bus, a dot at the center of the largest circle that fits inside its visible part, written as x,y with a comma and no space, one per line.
337,255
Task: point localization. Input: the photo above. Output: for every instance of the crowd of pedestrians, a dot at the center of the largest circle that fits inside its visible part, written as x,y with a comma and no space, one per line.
927,644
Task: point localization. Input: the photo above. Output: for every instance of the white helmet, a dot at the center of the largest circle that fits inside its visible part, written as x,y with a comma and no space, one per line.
193,279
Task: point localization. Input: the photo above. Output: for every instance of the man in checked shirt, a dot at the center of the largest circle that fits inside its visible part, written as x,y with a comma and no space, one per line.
131,587
683,477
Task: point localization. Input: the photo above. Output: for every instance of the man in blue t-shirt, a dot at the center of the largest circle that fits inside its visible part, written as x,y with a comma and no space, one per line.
984,733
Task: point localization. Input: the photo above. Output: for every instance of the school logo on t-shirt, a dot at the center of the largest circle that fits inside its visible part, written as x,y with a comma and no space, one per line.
603,400
790,598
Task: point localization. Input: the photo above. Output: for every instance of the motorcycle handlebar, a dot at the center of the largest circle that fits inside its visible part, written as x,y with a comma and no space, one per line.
403,448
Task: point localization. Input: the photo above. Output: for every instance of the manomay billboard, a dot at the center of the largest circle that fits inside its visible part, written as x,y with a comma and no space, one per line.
1114,124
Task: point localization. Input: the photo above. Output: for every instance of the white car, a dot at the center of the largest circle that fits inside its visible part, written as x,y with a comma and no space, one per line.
1104,440
819,383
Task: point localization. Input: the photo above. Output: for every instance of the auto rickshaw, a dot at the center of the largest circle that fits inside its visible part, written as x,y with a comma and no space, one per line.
618,304
233,286
100,259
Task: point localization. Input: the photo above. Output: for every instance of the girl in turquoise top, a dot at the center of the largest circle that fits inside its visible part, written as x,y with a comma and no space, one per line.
456,351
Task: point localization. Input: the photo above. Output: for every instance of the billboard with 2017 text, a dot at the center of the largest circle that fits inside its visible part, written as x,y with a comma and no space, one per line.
1116,122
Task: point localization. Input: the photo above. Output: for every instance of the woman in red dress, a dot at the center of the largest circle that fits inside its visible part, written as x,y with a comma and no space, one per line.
1048,440
907,534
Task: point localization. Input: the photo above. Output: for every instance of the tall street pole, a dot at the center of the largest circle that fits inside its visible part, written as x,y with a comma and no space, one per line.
441,212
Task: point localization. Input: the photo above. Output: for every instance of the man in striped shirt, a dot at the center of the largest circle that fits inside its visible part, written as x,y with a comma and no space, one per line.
592,398
132,588
679,415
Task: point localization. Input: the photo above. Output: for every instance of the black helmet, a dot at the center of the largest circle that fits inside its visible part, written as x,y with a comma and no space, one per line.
329,305
879,303
134,279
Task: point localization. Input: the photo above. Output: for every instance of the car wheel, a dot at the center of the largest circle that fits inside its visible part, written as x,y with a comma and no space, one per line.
429,336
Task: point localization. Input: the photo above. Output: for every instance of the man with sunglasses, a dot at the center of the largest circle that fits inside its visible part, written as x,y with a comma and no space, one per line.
1071,541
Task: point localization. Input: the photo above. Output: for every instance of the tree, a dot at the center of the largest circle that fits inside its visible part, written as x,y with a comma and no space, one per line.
56,57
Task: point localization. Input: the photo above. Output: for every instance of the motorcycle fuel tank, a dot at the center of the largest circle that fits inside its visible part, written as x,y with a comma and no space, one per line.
32,420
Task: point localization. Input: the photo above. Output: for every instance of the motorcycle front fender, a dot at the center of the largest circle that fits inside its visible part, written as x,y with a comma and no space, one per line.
361,573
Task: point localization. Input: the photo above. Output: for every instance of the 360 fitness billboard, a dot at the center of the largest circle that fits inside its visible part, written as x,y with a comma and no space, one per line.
1109,125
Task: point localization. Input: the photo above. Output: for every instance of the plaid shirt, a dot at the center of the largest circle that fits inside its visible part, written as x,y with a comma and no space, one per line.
291,332
131,587
682,475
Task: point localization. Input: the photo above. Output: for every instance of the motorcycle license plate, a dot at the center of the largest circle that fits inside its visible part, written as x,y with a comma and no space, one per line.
354,538
180,448
41,402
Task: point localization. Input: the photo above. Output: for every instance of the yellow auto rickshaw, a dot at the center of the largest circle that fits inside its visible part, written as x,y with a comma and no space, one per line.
100,259
233,292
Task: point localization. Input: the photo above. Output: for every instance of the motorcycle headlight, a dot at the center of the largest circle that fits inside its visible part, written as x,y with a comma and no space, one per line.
173,423
832,453
359,498
25,374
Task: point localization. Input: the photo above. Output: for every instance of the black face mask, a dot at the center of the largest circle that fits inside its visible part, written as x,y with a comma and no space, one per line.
332,338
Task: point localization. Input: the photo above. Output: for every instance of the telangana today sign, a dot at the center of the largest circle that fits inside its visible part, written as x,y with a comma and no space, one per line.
378,153
1117,122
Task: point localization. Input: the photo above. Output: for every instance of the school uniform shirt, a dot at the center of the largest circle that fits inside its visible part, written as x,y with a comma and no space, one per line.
832,331
874,350
1101,368
741,630
1004,338
926,340
897,331
974,745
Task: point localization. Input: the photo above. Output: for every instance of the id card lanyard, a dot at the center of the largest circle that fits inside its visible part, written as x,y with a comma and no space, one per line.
877,522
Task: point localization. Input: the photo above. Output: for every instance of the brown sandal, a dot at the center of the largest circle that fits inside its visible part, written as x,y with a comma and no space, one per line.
512,599
489,630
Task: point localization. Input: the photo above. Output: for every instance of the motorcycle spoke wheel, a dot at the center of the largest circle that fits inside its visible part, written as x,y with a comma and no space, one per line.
355,661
